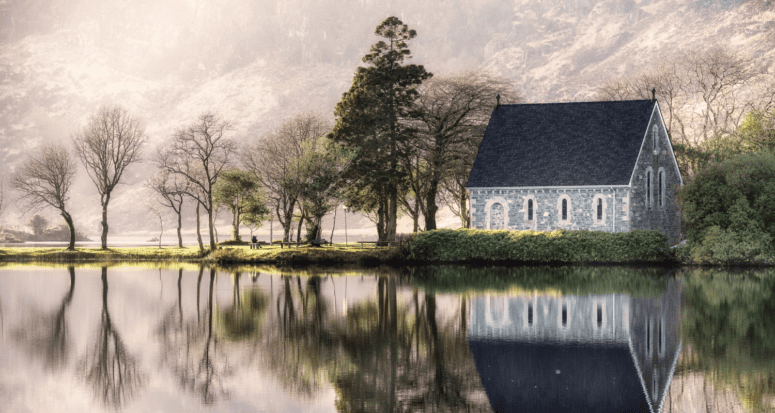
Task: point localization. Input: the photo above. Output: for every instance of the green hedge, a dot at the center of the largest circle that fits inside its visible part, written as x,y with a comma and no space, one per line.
560,246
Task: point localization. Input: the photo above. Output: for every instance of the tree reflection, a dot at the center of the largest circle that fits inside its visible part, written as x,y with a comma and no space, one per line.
299,350
407,360
382,356
46,336
191,349
109,368
730,333
245,318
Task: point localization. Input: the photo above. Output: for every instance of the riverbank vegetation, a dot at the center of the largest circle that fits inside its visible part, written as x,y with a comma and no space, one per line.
458,246
728,212
536,247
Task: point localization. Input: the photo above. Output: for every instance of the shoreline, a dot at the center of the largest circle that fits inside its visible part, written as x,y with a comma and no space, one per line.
331,256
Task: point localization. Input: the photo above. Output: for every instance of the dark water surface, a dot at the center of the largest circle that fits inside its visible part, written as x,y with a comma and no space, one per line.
433,339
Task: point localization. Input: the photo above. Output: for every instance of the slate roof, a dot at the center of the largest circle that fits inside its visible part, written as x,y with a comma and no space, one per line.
558,378
561,144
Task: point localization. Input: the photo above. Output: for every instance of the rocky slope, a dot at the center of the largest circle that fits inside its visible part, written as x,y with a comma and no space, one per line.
258,63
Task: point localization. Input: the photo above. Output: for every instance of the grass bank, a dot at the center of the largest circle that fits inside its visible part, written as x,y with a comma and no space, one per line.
462,246
337,254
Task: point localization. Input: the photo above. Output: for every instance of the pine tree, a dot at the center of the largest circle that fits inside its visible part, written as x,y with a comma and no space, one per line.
372,124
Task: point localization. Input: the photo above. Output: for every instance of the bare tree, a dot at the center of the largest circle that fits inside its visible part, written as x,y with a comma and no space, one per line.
44,180
199,153
705,95
453,112
109,143
171,189
274,161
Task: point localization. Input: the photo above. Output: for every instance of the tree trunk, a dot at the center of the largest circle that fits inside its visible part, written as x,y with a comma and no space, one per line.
180,237
287,225
161,225
198,227
381,212
464,215
333,225
390,228
298,230
69,221
235,223
430,205
209,208
104,237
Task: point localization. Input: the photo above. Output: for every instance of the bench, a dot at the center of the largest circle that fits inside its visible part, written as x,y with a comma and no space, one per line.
255,245
379,243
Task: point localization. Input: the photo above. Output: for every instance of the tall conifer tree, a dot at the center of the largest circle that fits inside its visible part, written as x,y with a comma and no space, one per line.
371,123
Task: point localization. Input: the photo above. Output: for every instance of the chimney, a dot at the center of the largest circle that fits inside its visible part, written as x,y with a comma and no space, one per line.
653,94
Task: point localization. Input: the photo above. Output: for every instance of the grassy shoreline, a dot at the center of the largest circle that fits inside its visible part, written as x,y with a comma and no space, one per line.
272,255
460,247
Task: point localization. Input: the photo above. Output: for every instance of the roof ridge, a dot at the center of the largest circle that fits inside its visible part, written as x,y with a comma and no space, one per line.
580,102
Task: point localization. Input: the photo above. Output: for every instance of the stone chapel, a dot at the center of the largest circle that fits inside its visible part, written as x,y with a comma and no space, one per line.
600,166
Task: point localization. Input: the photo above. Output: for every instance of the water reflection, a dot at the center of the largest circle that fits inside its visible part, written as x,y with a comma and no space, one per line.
427,339
191,351
108,367
596,353
45,335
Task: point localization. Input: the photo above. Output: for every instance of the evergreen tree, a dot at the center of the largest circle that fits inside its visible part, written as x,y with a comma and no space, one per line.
372,124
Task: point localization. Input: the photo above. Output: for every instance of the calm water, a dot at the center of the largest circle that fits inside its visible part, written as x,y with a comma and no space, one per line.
432,339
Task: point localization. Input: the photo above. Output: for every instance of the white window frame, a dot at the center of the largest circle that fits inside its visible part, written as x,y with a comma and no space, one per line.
602,199
649,184
525,202
488,211
568,210
661,178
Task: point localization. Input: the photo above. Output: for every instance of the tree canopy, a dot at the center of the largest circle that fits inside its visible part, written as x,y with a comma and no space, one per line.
372,123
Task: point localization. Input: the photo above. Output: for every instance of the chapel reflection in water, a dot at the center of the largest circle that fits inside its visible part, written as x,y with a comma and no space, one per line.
608,352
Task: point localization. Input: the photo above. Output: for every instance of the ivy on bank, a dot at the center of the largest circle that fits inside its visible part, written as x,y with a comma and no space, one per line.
559,246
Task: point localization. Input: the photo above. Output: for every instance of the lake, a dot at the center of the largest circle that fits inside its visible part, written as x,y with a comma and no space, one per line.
262,339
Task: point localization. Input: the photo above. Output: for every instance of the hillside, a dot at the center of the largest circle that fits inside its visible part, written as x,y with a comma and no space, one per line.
257,64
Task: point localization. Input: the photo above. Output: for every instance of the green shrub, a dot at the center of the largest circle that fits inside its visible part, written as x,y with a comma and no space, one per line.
540,247
722,246
737,194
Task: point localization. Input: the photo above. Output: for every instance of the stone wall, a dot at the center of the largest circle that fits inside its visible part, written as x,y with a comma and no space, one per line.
547,208
647,213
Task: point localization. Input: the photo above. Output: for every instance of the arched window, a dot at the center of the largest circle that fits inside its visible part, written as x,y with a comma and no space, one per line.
599,209
529,209
648,188
497,219
660,181
564,209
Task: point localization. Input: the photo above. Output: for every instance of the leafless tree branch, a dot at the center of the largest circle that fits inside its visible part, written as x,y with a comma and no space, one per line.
44,180
109,143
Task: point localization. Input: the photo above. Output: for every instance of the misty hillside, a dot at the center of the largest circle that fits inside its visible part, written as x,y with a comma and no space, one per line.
257,63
